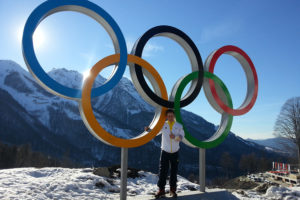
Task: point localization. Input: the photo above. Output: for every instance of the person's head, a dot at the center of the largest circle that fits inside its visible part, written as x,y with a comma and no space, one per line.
170,115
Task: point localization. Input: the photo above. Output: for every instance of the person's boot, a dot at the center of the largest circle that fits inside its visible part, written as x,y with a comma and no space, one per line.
160,193
173,192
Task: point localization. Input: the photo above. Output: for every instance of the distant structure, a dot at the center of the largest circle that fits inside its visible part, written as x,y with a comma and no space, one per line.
285,172
281,168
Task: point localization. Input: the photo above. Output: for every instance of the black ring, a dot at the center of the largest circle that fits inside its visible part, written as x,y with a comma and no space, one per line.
138,50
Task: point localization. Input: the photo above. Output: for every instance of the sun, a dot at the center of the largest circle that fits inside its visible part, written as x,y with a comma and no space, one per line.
39,37
85,74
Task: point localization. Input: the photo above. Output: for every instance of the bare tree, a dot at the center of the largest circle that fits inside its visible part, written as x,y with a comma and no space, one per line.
227,163
249,163
288,122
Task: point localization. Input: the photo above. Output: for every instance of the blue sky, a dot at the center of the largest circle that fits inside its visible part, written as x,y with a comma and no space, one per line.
268,31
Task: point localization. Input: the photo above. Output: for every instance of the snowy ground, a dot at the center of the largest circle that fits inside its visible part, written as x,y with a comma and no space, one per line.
274,193
64,183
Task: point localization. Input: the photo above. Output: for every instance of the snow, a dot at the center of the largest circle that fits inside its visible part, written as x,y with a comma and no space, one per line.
65,183
269,149
133,111
8,66
273,192
72,78
283,193
38,101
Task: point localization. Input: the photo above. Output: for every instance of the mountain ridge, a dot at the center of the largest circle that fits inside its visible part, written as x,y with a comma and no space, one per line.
277,144
56,122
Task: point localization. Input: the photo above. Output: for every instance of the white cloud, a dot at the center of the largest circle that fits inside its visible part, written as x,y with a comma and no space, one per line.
220,30
150,49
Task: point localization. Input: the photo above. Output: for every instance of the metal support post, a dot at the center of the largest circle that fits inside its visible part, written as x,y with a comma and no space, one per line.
124,167
202,169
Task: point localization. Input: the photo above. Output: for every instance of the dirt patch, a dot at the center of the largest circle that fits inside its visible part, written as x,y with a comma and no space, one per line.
114,172
100,185
262,188
237,183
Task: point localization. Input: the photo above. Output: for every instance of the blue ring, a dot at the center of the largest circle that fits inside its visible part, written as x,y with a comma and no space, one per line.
40,13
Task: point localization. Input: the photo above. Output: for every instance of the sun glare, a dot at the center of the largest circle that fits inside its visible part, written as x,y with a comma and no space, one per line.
86,74
38,37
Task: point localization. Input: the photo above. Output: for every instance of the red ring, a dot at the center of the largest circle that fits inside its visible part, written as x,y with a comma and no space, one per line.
213,61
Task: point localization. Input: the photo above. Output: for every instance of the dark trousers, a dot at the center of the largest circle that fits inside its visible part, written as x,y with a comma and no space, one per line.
167,159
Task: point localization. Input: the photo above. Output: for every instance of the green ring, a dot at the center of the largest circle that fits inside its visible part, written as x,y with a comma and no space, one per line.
188,136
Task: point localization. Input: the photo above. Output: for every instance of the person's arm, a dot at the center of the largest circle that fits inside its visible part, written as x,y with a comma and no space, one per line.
181,134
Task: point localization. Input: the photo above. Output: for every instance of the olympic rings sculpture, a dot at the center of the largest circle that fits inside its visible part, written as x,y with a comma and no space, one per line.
215,90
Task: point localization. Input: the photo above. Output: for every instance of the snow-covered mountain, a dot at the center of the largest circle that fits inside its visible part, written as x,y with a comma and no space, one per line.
52,125
278,144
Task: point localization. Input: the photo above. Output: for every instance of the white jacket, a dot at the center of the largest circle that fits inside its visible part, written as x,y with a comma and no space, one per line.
167,144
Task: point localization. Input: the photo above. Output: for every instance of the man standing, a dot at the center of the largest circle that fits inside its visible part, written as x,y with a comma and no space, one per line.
172,133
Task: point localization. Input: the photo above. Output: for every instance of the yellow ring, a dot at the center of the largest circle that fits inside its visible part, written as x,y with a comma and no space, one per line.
90,120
